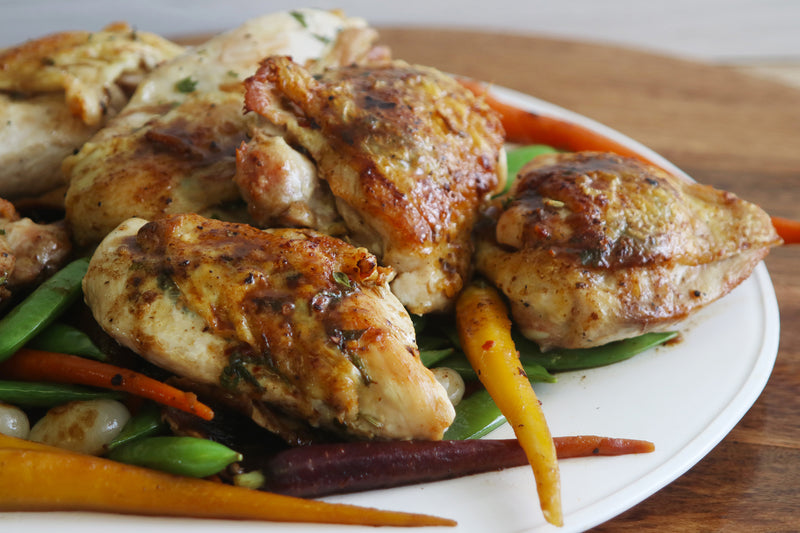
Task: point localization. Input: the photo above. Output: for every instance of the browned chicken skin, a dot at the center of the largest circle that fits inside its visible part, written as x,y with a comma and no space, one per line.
56,91
172,149
408,154
594,247
301,324
29,252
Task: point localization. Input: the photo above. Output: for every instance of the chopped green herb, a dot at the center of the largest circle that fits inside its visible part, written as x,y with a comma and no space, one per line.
299,17
322,38
237,371
186,85
342,279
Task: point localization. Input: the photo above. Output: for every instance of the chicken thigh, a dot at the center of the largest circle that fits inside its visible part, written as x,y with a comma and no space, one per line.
408,155
298,323
56,91
594,247
173,147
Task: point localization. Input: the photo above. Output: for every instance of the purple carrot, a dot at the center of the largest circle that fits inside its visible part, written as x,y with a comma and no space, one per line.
323,469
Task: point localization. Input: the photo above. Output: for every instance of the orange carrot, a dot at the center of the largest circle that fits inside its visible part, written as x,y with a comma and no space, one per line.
588,445
45,480
526,127
37,365
789,230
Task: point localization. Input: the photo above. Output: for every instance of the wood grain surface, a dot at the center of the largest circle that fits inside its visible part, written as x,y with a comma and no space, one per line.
726,129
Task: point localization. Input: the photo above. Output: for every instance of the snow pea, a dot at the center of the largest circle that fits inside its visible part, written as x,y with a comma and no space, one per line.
41,307
34,394
146,423
430,358
459,363
185,456
476,416
63,338
560,360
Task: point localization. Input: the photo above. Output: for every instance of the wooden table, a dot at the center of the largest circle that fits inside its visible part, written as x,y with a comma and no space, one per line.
726,129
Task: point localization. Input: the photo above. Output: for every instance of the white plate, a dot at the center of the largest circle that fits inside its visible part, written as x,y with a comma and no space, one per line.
685,398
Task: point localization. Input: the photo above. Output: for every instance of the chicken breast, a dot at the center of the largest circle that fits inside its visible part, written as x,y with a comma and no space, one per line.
172,149
594,247
299,323
56,91
408,155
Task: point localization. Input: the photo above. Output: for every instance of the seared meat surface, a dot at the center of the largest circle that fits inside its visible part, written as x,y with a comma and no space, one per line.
298,323
29,252
56,91
407,153
172,148
594,247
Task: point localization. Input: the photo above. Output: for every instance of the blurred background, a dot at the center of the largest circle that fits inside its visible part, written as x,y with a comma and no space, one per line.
758,35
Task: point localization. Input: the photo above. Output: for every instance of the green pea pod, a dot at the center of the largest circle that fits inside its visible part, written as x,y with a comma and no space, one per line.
430,358
517,158
63,338
458,362
476,416
41,307
33,394
560,360
185,456
146,423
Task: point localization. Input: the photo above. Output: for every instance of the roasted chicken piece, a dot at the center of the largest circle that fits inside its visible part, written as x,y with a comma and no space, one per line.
172,148
29,252
56,91
299,323
594,247
408,155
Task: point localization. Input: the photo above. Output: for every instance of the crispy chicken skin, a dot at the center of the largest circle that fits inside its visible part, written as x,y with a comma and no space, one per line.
593,247
298,322
408,154
173,147
56,91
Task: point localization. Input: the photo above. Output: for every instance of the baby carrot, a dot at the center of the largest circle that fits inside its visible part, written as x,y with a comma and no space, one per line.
44,480
789,230
526,127
36,365
485,333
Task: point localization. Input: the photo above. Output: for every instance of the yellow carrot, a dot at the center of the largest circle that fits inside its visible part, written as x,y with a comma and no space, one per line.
39,478
485,332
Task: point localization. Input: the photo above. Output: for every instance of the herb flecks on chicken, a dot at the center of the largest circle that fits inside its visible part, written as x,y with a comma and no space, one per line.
301,324
408,155
594,247
172,149
57,90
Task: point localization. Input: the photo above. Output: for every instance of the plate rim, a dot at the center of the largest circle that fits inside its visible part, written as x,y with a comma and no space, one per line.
655,479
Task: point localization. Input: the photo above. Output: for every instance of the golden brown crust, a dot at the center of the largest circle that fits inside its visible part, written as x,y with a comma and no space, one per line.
594,247
291,318
408,150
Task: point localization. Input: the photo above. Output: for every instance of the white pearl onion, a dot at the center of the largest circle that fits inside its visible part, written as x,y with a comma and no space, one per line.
14,422
84,426
452,382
